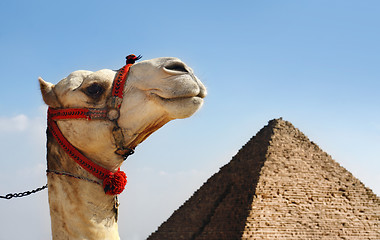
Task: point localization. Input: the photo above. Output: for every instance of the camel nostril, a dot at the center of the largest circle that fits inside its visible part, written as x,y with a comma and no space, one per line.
177,67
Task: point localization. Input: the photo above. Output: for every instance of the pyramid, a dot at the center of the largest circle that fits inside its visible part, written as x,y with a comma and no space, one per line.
280,185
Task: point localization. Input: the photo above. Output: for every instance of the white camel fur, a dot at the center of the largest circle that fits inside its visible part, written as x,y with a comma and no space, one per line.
156,91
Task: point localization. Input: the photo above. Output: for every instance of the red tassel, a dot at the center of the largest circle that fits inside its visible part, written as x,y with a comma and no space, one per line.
115,183
131,59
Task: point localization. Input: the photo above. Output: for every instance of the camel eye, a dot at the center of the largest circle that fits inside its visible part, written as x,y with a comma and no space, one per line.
94,90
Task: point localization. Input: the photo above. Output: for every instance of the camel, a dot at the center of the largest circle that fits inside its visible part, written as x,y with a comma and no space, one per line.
156,91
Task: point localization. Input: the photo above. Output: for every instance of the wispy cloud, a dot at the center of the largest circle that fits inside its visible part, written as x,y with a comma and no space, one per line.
22,123
23,144
18,123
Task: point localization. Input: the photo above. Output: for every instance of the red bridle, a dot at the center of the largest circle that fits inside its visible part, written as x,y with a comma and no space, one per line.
113,182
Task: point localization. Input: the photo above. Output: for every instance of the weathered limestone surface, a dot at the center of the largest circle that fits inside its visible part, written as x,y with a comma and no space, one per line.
280,185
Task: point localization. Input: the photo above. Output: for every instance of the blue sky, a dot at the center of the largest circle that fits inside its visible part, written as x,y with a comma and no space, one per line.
314,63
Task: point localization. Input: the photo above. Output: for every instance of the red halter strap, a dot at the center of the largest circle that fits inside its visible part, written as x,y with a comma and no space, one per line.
113,182
77,113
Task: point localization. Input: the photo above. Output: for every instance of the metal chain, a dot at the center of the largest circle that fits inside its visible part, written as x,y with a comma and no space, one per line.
23,194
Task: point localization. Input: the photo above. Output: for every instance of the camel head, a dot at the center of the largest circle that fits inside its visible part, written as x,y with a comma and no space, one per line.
156,91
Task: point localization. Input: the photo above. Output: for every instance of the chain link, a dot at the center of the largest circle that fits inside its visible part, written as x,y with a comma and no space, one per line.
23,194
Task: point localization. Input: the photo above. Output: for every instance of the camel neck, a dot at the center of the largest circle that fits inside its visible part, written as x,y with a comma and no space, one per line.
79,209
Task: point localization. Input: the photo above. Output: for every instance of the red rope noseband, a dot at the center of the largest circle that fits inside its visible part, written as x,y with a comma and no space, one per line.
113,182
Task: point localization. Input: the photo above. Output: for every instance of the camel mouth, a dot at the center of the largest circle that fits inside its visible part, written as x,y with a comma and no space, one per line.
179,107
178,98
195,93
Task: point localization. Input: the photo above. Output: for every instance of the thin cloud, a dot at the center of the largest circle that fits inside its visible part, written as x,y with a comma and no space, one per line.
18,123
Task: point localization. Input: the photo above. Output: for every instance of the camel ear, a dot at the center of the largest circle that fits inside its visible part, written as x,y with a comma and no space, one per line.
49,96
